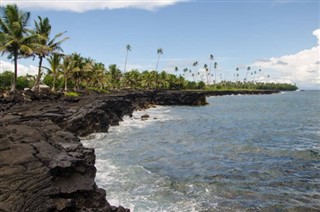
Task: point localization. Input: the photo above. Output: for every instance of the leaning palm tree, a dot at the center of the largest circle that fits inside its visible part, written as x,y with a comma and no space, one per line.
14,36
125,64
43,46
159,52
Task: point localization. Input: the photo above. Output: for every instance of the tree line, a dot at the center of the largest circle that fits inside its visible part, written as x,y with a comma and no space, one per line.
75,72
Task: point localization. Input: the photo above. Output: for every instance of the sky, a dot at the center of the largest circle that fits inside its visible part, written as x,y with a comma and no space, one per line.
280,37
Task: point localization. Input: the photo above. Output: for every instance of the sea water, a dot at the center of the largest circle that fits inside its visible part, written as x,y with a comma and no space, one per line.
239,153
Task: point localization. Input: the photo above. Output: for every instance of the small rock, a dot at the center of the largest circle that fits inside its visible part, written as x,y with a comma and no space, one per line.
145,117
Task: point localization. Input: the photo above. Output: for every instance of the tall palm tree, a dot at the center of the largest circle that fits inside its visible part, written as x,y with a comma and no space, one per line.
237,70
195,64
248,69
67,67
125,64
205,66
159,52
211,59
176,69
215,66
14,36
54,61
254,77
43,45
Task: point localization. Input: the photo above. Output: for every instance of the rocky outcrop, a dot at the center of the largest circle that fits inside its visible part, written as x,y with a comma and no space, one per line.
44,166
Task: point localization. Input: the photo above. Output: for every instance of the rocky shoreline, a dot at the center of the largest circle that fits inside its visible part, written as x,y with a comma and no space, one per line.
44,166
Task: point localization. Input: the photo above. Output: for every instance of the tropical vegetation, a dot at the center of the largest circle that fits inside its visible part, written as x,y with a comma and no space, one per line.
75,73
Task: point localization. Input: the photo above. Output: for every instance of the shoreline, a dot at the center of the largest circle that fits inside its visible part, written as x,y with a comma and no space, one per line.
45,167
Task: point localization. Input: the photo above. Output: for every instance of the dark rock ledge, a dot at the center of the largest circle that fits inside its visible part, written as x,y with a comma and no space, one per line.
43,165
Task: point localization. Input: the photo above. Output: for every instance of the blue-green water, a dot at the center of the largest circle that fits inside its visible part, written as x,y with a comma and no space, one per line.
239,153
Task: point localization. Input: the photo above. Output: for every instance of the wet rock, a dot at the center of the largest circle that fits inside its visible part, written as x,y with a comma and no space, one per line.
145,117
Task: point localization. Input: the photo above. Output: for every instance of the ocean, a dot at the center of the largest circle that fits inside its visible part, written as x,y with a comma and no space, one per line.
239,153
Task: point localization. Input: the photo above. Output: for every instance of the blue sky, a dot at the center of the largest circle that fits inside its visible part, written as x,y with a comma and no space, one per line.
280,37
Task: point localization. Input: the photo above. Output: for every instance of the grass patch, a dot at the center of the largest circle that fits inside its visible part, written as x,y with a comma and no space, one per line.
71,94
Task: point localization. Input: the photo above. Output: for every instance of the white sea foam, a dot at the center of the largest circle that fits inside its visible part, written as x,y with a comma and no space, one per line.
140,190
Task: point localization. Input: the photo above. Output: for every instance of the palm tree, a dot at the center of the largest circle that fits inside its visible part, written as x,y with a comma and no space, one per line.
78,63
254,77
159,52
248,69
54,62
43,46
215,65
14,37
211,59
67,67
205,66
115,75
237,69
195,64
128,49
176,69
97,75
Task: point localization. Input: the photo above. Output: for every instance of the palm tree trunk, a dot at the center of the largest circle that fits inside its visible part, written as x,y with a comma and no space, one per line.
65,83
37,86
54,82
125,63
215,76
14,81
157,63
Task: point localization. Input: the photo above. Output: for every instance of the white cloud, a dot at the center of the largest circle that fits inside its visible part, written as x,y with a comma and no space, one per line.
87,5
22,69
302,68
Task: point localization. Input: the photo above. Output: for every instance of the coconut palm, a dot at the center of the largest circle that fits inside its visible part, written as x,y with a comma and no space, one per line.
97,75
54,61
115,75
211,59
131,79
195,64
176,69
147,80
159,52
237,70
15,38
128,49
43,45
67,67
205,66
248,69
215,66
